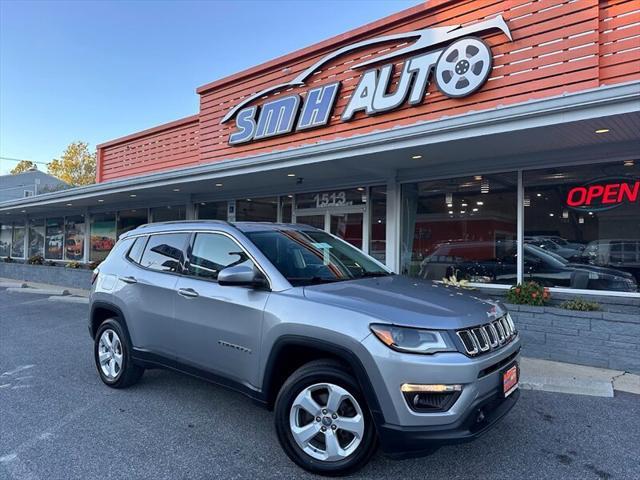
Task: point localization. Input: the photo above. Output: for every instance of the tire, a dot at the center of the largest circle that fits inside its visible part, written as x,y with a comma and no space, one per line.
463,67
318,380
112,344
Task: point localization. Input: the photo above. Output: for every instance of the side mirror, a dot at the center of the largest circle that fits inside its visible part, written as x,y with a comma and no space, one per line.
241,276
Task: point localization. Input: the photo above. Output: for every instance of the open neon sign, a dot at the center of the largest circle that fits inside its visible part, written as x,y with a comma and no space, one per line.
604,195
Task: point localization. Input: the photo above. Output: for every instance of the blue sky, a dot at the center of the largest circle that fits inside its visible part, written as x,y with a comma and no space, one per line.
94,71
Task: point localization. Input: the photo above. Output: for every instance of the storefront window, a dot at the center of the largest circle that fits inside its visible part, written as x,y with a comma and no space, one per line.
74,238
54,239
378,228
17,246
462,226
103,235
36,237
257,210
5,240
169,213
582,226
212,210
130,219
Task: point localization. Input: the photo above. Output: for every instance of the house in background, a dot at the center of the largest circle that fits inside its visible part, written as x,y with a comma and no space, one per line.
28,184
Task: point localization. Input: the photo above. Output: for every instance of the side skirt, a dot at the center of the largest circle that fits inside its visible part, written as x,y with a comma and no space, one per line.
149,359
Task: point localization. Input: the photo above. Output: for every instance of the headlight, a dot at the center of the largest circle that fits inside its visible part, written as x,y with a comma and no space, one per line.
413,340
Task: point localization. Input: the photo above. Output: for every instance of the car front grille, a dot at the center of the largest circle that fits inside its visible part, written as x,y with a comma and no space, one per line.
489,337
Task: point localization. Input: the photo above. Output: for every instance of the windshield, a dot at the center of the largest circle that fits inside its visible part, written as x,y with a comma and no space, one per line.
313,256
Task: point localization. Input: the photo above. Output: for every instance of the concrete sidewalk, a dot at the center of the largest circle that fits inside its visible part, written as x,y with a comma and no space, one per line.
536,374
10,283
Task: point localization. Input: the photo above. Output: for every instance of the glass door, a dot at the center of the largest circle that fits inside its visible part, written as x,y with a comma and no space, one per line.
347,226
317,221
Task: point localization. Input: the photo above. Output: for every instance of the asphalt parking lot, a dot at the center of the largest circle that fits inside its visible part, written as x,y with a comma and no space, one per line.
58,421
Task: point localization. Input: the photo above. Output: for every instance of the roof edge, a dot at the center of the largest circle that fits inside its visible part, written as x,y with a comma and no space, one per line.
150,131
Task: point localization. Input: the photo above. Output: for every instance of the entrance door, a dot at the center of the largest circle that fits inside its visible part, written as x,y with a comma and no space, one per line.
344,222
347,226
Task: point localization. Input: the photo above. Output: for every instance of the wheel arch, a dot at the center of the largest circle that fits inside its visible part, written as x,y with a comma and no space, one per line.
101,311
290,352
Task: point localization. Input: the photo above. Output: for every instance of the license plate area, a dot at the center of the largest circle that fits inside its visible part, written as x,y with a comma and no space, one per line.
510,379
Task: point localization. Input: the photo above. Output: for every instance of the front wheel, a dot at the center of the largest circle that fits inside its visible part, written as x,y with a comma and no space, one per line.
322,420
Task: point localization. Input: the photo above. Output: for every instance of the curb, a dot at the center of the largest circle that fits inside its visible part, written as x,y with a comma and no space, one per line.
69,299
575,386
13,285
39,291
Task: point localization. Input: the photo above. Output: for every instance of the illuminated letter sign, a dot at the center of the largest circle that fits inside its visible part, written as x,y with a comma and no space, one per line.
459,62
602,196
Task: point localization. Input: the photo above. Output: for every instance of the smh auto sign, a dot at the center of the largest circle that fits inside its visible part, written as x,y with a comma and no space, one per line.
459,61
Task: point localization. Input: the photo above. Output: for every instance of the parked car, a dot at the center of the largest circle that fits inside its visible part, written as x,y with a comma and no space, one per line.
495,262
556,245
346,353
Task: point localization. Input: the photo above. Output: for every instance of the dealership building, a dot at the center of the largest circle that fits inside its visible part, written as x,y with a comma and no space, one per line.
498,141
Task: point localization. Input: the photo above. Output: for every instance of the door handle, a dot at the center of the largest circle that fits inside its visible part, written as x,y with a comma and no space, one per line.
129,280
188,292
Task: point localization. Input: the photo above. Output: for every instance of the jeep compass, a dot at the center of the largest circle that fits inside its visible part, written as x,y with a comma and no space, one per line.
349,355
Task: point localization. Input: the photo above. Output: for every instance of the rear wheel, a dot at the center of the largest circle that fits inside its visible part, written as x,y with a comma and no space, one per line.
112,354
322,420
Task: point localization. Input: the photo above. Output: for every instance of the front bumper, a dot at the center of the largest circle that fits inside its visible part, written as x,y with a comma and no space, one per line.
404,442
404,431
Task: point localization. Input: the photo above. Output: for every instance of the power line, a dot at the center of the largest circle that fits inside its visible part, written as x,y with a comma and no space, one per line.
23,160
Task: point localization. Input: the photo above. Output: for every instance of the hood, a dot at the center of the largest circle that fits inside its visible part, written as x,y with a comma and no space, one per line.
409,301
600,270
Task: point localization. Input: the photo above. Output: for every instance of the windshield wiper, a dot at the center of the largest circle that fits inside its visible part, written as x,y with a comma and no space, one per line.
376,274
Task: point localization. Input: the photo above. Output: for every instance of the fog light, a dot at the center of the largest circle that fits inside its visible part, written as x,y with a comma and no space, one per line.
430,398
437,388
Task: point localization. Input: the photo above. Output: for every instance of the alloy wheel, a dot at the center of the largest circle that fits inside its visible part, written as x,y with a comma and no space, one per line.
110,355
326,422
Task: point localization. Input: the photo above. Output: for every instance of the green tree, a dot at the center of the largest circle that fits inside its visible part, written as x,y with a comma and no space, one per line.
23,166
76,166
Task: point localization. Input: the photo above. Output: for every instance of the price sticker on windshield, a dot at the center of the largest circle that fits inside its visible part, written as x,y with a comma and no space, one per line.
326,254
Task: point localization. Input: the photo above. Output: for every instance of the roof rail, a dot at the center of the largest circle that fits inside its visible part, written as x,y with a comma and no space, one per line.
173,222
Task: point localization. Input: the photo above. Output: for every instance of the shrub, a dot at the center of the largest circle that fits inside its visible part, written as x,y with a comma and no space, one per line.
73,264
36,260
580,304
528,293
8,259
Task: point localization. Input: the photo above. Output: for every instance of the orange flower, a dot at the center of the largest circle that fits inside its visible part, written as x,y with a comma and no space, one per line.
517,290
534,294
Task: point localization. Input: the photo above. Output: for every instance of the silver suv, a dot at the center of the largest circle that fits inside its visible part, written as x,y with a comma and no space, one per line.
348,354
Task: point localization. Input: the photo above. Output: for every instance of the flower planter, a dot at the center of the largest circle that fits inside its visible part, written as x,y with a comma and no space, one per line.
58,275
601,338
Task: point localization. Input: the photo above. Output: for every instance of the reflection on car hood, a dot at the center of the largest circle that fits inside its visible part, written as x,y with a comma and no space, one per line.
408,301
601,270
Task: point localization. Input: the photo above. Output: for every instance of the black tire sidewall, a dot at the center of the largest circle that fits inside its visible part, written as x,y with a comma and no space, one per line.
114,325
303,378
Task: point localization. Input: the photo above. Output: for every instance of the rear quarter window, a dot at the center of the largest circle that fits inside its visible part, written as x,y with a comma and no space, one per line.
135,252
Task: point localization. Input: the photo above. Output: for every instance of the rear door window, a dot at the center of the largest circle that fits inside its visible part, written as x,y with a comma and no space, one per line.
165,252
